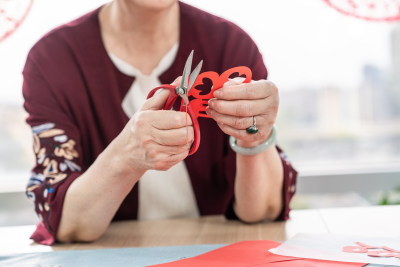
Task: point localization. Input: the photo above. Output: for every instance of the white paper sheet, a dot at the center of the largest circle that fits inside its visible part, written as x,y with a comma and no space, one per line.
329,247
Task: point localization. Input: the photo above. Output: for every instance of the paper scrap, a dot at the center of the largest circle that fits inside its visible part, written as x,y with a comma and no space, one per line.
372,251
342,248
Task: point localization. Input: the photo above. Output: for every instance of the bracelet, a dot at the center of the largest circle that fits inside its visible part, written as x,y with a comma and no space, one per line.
249,151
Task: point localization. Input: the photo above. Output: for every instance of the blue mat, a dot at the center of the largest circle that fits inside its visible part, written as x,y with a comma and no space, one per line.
106,257
110,257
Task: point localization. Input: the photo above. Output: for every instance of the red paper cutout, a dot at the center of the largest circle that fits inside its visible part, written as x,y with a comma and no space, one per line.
363,248
200,102
252,253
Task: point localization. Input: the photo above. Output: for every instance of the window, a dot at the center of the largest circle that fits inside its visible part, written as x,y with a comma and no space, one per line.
16,154
339,81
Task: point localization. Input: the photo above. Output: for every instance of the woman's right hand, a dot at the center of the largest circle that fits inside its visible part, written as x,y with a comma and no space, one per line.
154,138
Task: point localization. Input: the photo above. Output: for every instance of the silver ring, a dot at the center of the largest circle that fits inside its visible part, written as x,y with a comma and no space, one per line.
253,129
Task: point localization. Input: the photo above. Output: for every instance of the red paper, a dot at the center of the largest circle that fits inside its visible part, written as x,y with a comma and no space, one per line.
200,102
252,253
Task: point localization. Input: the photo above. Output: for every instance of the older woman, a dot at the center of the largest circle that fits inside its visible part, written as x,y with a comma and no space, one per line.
103,152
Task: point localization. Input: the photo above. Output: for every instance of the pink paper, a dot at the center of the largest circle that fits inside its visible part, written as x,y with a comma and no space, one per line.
375,250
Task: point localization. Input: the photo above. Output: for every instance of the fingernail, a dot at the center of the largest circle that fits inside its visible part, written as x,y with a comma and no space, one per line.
217,93
211,102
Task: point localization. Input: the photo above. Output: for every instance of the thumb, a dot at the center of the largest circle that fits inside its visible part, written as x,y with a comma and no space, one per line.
157,101
234,81
177,81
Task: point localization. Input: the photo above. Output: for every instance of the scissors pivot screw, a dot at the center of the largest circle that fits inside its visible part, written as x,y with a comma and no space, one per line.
180,91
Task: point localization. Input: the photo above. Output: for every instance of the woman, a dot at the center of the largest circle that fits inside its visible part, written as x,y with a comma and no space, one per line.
96,136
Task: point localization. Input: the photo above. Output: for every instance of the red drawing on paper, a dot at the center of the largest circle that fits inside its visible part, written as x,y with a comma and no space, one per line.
12,14
372,10
372,251
209,81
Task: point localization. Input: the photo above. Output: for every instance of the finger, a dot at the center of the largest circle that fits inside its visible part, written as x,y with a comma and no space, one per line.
253,90
176,158
167,119
241,134
170,161
157,101
166,151
174,137
241,108
233,121
177,81
234,81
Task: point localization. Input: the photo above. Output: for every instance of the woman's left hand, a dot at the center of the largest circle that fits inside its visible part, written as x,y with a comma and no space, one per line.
235,104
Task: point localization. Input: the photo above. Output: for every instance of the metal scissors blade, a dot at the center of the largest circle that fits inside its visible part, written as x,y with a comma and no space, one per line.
194,74
186,71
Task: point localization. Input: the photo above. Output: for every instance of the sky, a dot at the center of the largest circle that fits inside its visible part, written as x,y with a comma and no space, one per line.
304,43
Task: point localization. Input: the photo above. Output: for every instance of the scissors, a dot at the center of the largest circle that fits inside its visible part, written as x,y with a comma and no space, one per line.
187,82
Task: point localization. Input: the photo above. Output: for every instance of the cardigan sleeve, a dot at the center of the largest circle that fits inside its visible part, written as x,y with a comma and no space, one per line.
56,144
289,185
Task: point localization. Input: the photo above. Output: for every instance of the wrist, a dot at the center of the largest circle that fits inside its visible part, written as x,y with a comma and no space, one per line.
247,144
118,163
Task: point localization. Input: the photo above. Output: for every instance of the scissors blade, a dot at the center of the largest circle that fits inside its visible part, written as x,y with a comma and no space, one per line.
194,74
186,71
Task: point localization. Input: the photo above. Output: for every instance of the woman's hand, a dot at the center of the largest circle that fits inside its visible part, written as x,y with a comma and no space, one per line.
154,138
235,104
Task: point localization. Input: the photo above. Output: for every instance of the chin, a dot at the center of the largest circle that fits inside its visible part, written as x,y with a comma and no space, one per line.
153,4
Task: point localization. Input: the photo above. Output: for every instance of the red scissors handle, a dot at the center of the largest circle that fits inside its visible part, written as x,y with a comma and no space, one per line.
171,98
168,105
196,128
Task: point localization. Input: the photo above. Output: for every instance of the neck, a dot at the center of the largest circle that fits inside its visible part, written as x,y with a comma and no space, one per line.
138,35
128,20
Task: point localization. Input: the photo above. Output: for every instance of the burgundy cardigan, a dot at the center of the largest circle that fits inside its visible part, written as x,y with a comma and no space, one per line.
73,94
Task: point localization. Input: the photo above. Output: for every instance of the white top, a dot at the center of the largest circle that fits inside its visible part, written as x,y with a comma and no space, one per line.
162,194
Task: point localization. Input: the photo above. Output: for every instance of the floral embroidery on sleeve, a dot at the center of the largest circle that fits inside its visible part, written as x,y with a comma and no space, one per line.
55,154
